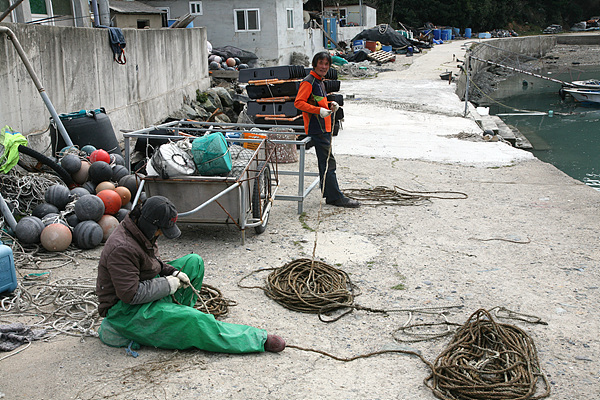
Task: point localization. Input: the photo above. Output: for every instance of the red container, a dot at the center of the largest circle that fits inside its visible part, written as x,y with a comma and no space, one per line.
371,45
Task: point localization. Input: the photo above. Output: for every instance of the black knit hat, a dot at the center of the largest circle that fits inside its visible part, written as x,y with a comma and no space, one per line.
159,213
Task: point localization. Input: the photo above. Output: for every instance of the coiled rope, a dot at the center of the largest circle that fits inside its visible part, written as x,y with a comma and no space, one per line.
68,306
210,301
485,360
382,196
488,360
25,191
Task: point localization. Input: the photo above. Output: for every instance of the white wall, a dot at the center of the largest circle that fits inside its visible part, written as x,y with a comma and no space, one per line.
273,44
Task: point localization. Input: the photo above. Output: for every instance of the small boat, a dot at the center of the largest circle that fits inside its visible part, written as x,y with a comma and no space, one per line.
583,95
588,84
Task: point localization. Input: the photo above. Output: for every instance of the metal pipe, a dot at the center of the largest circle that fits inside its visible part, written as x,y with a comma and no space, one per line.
8,216
9,9
38,84
95,12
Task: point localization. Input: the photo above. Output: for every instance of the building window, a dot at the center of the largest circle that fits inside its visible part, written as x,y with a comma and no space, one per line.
143,23
166,10
196,7
247,20
290,18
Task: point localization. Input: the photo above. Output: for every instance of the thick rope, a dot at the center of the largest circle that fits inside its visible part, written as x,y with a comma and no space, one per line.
485,360
381,195
210,301
488,360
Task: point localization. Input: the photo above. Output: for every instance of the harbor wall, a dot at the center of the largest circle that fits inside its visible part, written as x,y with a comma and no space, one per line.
498,49
77,71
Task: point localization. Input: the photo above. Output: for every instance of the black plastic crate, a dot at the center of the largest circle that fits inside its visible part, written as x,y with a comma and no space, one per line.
283,72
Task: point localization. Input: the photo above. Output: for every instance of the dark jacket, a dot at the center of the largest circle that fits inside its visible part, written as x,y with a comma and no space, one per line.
128,257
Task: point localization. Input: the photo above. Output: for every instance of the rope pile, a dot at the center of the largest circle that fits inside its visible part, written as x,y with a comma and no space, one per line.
211,301
25,191
67,306
382,195
487,360
310,286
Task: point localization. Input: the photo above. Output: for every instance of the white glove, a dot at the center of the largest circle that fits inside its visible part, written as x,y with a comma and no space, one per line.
174,283
182,276
334,106
323,112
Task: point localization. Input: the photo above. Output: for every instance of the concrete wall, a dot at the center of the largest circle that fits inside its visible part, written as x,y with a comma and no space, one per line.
76,67
497,49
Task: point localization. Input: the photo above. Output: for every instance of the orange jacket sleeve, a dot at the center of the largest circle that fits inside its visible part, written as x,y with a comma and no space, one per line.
301,102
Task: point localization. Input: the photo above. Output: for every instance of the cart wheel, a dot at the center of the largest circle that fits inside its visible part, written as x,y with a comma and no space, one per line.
260,197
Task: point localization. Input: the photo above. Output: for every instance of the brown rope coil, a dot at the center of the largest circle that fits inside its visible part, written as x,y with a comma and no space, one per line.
211,301
310,286
382,195
488,360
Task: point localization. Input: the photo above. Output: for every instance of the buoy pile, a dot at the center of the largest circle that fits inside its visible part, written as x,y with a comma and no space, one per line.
87,214
216,62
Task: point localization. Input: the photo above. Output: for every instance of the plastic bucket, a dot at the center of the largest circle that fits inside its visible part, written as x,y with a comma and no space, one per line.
437,34
468,33
387,48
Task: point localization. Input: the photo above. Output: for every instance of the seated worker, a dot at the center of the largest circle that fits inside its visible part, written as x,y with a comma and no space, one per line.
149,302
316,112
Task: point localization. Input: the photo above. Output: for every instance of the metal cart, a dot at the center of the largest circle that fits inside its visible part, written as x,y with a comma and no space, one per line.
307,181
244,200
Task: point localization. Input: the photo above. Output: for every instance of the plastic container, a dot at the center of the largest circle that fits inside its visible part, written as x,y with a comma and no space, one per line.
86,127
386,48
8,276
468,33
445,36
358,45
437,34
371,45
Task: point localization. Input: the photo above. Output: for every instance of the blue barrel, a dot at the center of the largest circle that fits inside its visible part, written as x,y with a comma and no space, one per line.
437,34
445,36
456,31
468,33
449,33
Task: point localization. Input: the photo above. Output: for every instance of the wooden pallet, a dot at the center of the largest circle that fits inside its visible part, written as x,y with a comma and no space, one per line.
382,56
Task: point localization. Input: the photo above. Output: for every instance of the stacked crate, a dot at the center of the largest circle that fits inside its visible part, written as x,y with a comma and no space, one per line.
272,91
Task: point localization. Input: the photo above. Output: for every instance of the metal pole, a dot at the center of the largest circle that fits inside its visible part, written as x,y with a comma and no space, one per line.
9,9
37,84
95,12
467,64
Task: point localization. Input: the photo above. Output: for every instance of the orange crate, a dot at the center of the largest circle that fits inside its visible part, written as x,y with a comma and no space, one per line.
250,135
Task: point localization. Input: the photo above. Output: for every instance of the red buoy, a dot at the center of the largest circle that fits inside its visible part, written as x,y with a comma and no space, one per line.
111,200
100,155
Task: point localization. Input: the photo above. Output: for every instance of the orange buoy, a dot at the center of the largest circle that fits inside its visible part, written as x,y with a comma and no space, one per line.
111,200
124,193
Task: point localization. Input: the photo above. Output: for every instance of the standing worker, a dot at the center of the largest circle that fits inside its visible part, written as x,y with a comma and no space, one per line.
316,111
149,302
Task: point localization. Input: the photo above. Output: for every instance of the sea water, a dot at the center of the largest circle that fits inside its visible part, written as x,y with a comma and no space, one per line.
568,135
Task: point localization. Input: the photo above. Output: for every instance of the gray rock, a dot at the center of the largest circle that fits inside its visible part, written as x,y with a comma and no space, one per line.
224,96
